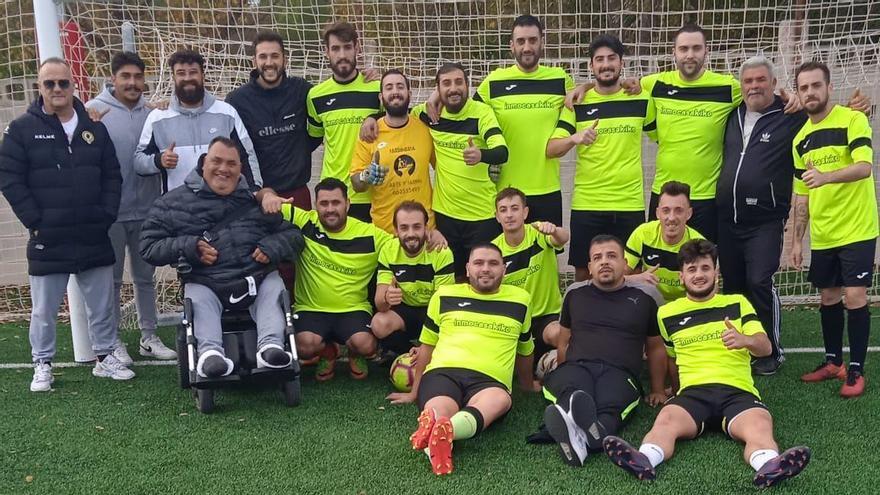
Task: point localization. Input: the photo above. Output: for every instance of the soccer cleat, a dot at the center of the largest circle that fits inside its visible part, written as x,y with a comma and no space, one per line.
825,371
43,378
629,458
326,367
782,467
765,366
440,447
854,385
419,438
582,410
121,353
357,367
571,439
110,367
153,347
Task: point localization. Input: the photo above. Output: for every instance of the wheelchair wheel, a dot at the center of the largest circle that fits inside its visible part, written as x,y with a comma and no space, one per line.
205,400
292,392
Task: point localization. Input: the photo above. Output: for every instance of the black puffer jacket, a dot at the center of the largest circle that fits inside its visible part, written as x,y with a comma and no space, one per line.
66,194
178,219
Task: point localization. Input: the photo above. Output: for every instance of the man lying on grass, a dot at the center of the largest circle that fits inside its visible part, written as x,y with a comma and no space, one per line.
712,338
475,334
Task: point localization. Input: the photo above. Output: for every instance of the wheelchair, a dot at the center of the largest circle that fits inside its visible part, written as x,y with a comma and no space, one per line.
240,346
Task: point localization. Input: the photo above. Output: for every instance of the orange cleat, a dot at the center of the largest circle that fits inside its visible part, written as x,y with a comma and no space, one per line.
825,371
419,438
326,367
440,447
854,385
357,367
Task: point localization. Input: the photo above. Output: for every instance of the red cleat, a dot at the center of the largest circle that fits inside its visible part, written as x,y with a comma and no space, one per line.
825,371
419,438
440,447
854,385
326,367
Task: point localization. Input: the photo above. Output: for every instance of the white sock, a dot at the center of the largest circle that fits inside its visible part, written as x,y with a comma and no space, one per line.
654,453
760,457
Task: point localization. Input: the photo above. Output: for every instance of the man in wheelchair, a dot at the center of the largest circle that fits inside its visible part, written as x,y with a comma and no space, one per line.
227,251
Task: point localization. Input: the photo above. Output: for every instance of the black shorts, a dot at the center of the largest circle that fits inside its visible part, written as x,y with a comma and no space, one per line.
413,319
585,225
336,326
361,211
715,404
464,234
459,384
704,220
539,323
545,208
851,265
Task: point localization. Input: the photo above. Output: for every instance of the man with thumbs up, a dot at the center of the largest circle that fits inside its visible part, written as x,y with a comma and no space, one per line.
835,194
711,338
608,195
395,166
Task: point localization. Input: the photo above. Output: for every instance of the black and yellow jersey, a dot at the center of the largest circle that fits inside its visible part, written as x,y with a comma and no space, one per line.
646,248
418,276
608,173
691,117
527,105
532,266
334,268
692,333
840,213
462,191
336,112
479,332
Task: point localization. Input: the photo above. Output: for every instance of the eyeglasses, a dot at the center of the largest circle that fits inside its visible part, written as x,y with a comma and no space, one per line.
62,83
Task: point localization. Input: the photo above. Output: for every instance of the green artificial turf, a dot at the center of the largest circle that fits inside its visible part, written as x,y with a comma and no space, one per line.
145,436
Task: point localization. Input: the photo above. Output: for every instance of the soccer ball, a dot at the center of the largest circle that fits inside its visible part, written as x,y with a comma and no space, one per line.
403,373
546,364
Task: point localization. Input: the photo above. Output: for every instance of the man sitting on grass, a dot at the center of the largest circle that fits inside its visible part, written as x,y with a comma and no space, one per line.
712,338
475,334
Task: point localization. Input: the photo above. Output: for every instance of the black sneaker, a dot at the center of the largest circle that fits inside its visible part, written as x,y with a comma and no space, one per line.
571,441
582,409
782,467
626,456
765,366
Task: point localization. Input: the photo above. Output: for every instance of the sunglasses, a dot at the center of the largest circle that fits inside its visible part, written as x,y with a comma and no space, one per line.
62,83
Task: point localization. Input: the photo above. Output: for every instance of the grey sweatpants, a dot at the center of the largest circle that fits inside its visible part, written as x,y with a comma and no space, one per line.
127,234
266,312
47,293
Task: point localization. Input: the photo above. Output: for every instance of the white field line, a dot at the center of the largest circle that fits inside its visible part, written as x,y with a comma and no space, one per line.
172,362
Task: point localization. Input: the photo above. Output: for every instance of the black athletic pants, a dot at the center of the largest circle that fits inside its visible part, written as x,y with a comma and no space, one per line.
749,257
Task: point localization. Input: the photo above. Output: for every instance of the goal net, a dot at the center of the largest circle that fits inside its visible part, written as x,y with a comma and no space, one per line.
417,35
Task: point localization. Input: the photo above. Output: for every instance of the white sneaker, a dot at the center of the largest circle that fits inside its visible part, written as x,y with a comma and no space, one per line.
110,367
153,347
571,439
43,378
121,353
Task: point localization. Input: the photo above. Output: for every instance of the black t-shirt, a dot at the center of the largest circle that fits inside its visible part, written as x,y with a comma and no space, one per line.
610,326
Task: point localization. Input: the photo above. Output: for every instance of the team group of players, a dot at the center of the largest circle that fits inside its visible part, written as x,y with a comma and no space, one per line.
467,265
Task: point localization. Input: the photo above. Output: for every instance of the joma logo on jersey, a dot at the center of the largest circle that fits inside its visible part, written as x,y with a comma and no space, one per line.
684,320
508,88
652,257
463,304
399,273
591,112
330,101
672,92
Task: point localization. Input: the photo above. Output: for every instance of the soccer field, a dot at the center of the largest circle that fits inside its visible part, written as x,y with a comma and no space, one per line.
145,436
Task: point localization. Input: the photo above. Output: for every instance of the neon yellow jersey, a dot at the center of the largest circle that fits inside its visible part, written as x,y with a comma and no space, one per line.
419,276
463,191
532,266
407,152
608,174
527,106
840,213
479,332
336,112
646,248
334,268
691,117
692,334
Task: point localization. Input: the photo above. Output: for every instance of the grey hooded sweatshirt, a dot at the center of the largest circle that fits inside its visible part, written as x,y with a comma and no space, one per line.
124,126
